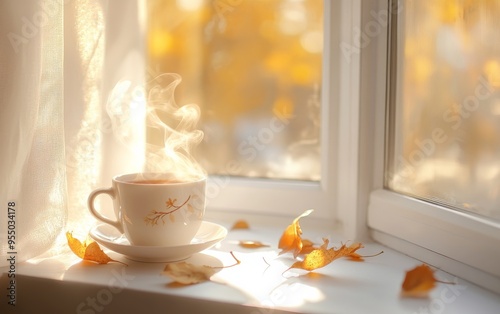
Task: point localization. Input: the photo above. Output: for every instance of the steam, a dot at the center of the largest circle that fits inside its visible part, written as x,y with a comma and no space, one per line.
172,131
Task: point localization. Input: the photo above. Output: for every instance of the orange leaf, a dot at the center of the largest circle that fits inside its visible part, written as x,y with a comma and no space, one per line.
88,251
240,224
359,258
290,240
323,256
252,244
418,282
307,247
356,257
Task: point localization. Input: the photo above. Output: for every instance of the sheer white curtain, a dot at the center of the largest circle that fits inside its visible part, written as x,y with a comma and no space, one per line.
59,60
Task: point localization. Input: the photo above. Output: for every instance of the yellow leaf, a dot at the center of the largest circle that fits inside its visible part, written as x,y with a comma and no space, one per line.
290,240
76,246
187,273
88,251
252,244
323,256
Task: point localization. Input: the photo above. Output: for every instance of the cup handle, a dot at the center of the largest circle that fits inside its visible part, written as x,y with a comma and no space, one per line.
96,214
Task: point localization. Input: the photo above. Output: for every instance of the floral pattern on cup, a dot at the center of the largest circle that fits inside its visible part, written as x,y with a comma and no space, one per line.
171,206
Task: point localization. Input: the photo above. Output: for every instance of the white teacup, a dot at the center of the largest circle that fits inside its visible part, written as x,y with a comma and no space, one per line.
153,209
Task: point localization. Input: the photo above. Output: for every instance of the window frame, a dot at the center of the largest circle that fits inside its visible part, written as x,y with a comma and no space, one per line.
291,197
351,193
458,242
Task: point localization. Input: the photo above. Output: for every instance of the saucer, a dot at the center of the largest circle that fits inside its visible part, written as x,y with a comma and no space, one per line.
207,236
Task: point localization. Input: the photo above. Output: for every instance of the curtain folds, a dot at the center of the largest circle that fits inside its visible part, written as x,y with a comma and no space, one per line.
59,61
32,128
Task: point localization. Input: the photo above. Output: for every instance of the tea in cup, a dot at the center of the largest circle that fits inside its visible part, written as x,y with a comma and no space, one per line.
154,209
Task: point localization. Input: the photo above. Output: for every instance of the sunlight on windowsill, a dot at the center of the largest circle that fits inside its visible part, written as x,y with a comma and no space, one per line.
261,283
262,279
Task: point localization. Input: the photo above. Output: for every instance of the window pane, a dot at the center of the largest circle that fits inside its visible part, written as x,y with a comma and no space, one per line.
254,68
445,112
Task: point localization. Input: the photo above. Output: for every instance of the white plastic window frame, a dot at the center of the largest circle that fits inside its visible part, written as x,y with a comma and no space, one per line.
461,243
289,197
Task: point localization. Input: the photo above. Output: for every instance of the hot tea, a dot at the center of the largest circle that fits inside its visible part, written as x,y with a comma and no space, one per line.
156,181
154,209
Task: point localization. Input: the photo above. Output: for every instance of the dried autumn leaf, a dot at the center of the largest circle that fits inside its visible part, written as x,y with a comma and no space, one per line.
323,256
88,251
240,224
187,273
252,244
290,240
307,247
418,282
356,257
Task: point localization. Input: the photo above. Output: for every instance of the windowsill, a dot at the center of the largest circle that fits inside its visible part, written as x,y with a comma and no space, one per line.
65,284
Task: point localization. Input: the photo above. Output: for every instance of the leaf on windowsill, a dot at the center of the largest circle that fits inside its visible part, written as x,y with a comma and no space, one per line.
355,257
252,244
419,282
291,240
88,251
307,247
187,274
240,224
323,256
